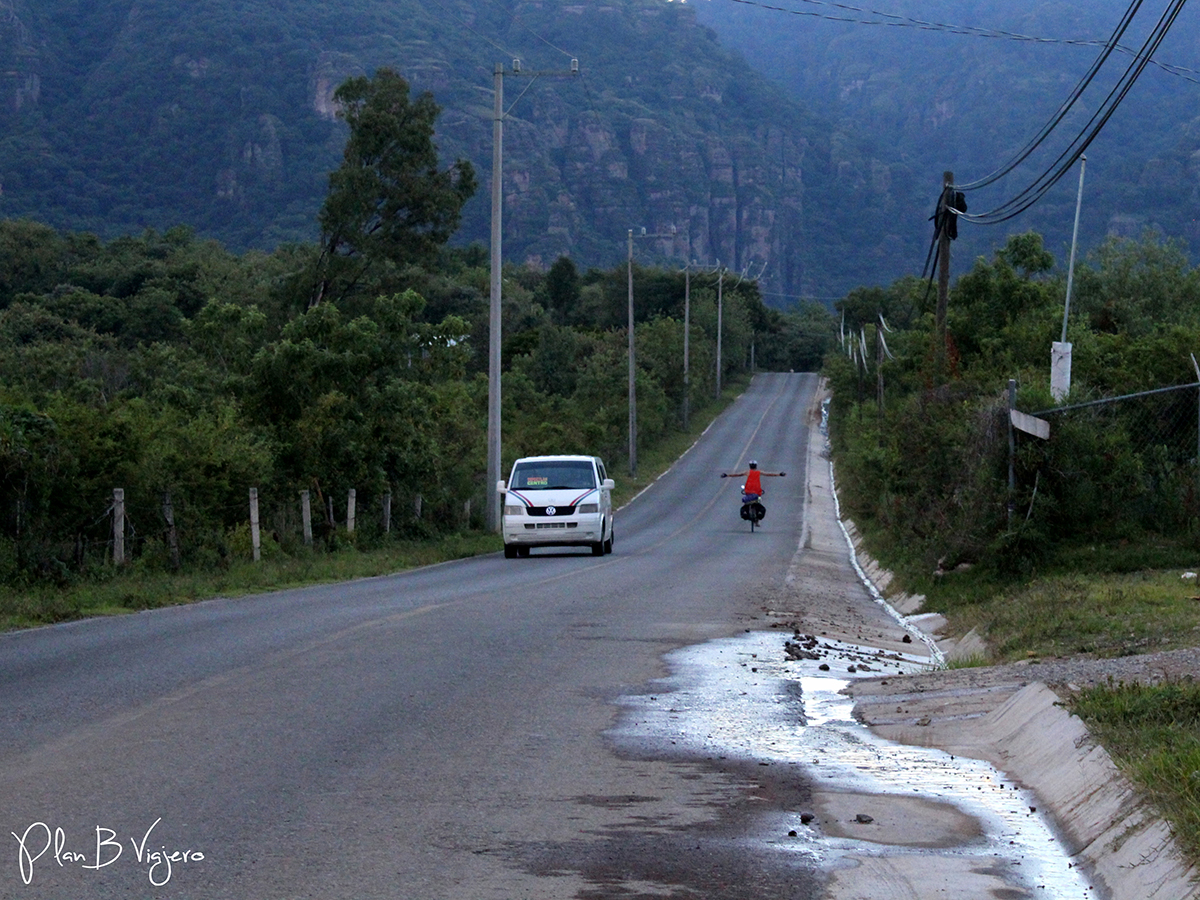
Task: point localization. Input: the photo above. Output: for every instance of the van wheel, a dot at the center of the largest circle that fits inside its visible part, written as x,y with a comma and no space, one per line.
523,552
608,544
510,551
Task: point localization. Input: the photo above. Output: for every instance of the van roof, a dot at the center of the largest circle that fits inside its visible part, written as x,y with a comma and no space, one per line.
545,458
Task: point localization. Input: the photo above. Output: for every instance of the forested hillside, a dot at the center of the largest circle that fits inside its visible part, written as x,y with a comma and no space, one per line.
217,115
948,86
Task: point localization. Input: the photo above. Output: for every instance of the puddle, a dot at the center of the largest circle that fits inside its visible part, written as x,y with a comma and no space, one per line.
741,699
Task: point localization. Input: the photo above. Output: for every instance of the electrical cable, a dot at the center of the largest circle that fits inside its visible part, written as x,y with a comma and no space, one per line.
1065,107
962,30
482,37
1050,176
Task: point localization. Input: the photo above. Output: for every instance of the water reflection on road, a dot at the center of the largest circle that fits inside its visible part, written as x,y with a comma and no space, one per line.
741,699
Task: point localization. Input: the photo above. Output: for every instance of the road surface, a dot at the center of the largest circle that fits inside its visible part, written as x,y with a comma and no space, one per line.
441,733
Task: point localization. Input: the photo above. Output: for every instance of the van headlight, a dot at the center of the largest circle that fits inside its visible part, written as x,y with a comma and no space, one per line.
514,510
589,507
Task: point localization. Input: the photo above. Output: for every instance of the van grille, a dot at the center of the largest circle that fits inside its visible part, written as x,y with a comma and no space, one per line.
558,510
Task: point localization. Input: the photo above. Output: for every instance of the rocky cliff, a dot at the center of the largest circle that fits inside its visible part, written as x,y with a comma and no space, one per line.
218,114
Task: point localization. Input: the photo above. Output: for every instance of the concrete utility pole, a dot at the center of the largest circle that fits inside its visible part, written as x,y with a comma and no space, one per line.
1060,352
632,363
943,299
492,519
687,335
720,329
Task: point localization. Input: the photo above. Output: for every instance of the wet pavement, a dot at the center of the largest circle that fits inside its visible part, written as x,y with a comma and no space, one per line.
870,817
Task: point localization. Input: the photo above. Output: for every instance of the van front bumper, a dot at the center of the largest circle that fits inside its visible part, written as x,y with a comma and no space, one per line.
552,532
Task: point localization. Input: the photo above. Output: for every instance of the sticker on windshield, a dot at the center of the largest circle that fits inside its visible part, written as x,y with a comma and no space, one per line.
537,481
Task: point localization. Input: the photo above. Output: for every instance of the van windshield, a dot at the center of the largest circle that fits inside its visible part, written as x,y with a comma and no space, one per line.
553,475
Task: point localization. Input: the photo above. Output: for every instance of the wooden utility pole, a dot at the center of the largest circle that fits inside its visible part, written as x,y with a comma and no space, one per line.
943,299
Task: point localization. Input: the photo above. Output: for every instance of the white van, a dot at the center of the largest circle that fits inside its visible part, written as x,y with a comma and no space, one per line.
557,501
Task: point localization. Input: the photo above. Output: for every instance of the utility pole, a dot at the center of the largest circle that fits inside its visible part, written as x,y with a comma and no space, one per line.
943,299
492,518
1060,353
632,363
879,365
687,336
720,313
632,366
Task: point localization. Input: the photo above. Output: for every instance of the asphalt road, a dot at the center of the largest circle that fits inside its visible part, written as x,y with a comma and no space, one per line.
435,734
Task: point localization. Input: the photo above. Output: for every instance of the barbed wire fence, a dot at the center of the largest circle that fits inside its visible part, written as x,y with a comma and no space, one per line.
169,529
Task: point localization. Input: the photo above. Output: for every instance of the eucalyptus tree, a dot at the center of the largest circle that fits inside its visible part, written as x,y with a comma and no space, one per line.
388,202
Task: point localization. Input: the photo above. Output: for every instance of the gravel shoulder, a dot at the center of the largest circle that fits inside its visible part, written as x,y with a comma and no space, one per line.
1010,715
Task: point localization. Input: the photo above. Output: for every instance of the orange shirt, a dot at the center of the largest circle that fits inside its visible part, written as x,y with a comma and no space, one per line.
754,482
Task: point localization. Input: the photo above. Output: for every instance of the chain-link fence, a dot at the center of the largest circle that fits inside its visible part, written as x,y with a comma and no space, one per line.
1112,465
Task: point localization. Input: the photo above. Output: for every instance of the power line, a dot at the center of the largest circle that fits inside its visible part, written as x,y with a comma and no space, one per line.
1079,144
1065,107
893,20
463,23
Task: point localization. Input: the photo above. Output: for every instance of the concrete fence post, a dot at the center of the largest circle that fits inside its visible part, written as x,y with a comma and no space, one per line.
118,526
255,547
306,517
350,510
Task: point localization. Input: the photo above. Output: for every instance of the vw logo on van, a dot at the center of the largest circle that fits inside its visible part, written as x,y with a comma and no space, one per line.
550,511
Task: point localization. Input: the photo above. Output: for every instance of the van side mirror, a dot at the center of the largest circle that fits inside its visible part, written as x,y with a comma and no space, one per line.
501,487
607,484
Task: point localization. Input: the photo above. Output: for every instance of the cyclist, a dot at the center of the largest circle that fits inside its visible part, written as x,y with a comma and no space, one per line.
753,489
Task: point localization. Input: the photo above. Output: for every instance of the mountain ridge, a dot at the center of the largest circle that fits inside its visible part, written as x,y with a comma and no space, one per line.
217,115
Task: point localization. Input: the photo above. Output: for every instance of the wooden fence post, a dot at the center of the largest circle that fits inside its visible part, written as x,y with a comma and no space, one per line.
387,512
118,526
350,504
254,544
172,535
306,517
417,505
467,512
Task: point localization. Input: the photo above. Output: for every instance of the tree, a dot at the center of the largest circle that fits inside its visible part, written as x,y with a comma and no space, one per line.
388,201
562,286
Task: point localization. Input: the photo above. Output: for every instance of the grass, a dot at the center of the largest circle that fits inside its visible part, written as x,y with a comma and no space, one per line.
1085,614
140,586
1091,600
1152,732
